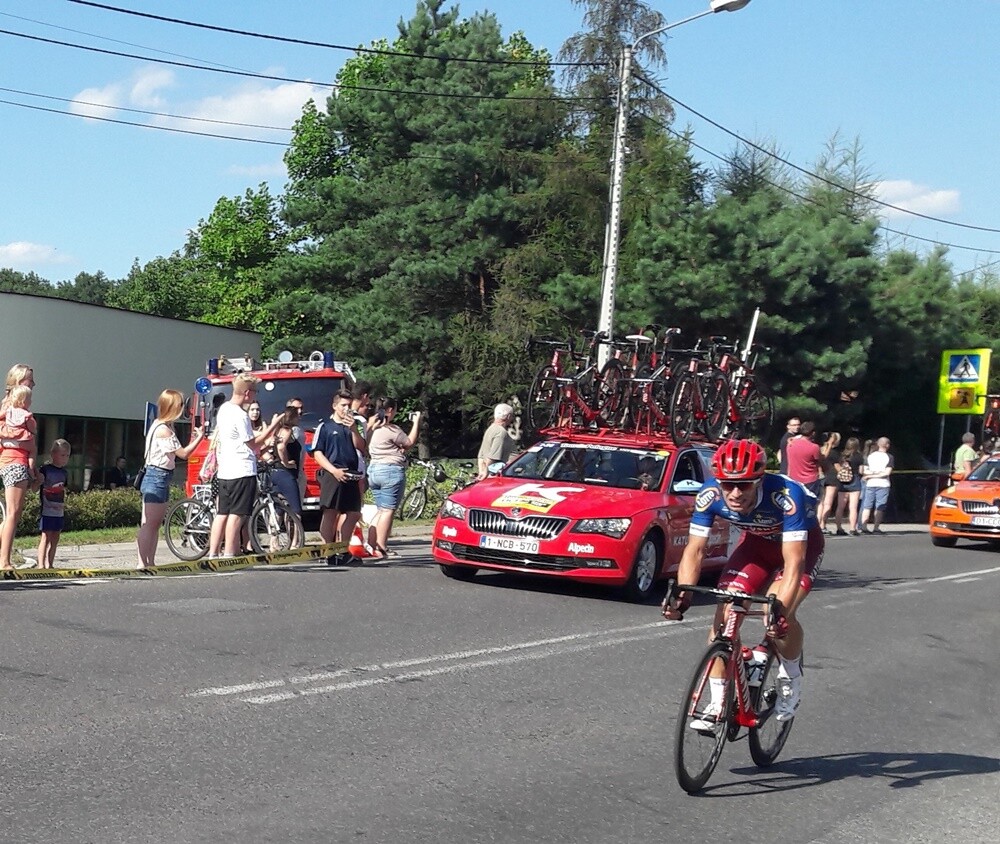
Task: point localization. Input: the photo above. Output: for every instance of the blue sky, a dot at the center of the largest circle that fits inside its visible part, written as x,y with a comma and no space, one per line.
914,80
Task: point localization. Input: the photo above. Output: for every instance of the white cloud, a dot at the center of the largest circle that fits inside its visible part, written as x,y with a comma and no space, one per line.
89,101
277,105
21,255
146,83
916,197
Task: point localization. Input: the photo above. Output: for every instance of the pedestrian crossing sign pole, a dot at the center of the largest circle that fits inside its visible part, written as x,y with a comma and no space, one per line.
962,387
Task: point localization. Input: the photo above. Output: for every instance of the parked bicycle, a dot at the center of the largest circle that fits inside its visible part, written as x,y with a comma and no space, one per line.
751,407
433,483
748,698
272,525
699,404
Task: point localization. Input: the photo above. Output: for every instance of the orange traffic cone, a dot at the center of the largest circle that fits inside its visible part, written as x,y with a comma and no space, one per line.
357,546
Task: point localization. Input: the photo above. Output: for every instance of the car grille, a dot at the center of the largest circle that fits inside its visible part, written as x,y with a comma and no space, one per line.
541,562
530,527
980,508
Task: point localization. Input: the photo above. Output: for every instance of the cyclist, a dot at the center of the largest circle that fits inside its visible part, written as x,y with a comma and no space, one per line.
782,546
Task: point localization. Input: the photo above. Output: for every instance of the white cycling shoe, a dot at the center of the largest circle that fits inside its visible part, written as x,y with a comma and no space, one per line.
789,697
708,719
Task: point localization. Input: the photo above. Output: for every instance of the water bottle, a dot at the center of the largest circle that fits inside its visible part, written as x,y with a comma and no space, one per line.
755,665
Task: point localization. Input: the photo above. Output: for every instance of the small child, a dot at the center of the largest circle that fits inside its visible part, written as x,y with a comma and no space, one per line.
17,461
52,483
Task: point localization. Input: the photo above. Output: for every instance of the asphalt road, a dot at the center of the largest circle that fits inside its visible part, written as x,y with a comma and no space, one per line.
310,704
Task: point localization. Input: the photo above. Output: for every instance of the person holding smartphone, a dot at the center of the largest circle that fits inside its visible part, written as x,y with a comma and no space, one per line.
336,444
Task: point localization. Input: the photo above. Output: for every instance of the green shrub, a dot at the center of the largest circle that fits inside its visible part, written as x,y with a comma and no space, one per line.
94,510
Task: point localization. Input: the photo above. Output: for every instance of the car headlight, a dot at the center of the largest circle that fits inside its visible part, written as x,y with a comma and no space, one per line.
609,527
945,501
451,510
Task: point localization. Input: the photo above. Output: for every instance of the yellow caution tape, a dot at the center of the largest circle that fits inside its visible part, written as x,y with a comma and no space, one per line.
204,566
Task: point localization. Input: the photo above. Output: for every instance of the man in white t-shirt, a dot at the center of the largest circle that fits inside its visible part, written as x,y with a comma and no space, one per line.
237,462
876,471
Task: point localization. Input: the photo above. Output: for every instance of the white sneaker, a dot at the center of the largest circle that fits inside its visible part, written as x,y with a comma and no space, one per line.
708,720
789,696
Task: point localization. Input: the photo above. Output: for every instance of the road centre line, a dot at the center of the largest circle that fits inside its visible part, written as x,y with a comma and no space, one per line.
509,659
968,580
957,576
242,688
893,594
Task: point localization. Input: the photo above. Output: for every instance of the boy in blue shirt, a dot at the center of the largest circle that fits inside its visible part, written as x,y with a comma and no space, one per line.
52,479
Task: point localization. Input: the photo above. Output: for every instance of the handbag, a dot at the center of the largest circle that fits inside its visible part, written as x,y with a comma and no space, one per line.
137,482
845,474
210,466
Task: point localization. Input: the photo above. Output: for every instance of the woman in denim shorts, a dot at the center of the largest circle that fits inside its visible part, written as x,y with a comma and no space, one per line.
162,447
387,447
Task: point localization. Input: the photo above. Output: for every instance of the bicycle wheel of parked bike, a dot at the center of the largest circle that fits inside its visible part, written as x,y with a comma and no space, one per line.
682,409
715,403
274,526
701,734
543,400
768,738
609,394
756,409
413,504
186,528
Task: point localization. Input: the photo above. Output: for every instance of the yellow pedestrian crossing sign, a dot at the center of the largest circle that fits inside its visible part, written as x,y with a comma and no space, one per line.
963,381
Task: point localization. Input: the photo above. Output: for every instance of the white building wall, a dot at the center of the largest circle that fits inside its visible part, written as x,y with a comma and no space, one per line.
104,363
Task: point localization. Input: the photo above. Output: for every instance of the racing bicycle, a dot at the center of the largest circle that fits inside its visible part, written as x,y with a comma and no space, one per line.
273,525
434,482
749,696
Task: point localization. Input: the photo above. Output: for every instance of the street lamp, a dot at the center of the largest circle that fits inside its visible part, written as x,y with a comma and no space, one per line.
612,232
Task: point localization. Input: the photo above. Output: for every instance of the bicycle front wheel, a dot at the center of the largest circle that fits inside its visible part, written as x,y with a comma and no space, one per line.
682,404
413,504
768,738
701,731
274,526
756,410
186,528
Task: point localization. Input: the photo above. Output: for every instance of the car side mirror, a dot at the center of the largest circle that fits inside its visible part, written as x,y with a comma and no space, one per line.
685,487
495,469
957,476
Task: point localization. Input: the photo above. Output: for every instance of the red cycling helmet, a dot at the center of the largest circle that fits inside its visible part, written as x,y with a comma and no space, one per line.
739,460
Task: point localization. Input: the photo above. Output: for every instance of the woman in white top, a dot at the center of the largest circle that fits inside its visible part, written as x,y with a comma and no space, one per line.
162,448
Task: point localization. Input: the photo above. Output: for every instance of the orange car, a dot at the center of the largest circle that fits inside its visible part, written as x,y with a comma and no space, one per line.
970,507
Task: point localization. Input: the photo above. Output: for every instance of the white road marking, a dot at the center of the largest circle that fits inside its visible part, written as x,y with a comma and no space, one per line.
905,592
943,578
460,660
968,580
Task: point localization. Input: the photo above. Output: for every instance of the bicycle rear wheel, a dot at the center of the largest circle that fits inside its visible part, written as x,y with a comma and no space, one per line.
543,400
609,394
715,402
413,504
186,529
697,751
274,526
756,409
768,738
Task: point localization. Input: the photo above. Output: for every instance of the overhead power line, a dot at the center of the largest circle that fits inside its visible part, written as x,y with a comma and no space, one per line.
143,111
307,43
274,78
810,199
810,173
143,125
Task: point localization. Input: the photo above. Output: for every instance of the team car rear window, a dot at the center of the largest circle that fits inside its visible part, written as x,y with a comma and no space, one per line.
605,466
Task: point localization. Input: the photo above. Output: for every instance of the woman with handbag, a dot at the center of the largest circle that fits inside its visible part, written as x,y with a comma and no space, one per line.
162,448
849,480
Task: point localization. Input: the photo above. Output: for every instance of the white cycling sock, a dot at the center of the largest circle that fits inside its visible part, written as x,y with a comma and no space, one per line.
790,668
717,688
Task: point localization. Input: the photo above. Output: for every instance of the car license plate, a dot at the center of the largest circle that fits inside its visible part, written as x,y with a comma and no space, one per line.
986,521
509,543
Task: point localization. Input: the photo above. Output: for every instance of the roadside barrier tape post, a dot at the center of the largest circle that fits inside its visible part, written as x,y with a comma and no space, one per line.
307,553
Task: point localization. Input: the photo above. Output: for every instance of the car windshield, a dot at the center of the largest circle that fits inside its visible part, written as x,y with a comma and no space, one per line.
988,470
600,465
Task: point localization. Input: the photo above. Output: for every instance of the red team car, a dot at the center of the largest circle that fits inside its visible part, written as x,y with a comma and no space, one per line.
600,508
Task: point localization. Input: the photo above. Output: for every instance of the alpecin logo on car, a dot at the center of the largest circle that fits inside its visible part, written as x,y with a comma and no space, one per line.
574,548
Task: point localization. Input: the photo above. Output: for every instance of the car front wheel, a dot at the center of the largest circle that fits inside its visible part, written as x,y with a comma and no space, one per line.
645,571
458,572
944,541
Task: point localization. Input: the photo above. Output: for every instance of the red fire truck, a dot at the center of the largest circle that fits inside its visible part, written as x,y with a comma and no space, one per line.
314,381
